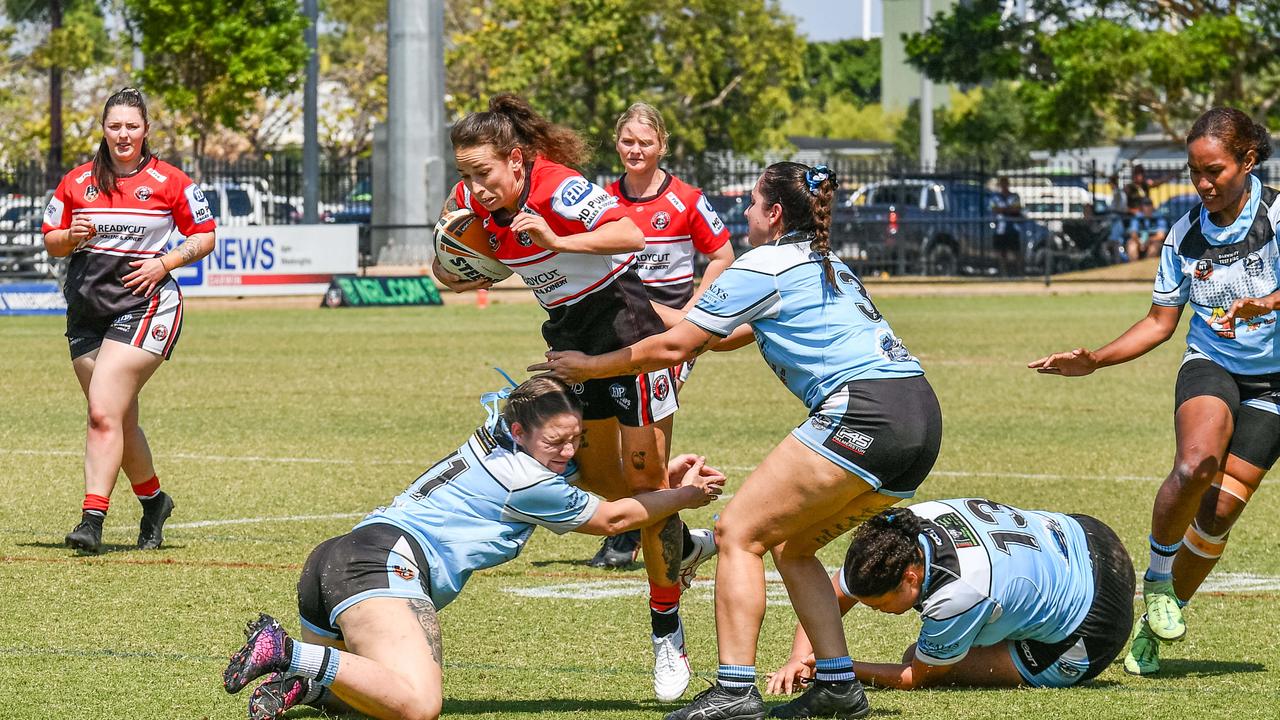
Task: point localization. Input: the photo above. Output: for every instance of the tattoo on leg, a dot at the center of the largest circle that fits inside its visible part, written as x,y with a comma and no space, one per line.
831,533
426,613
583,442
672,546
637,460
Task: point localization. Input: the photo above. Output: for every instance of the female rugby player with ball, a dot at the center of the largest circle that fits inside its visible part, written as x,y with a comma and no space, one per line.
575,248
873,432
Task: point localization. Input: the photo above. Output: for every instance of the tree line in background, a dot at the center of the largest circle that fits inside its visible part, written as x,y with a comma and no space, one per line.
223,76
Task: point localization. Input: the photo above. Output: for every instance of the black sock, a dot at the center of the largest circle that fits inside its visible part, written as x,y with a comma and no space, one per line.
688,541
664,623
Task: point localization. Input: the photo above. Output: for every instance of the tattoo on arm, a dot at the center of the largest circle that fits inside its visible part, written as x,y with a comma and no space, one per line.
189,250
672,546
426,613
637,460
704,345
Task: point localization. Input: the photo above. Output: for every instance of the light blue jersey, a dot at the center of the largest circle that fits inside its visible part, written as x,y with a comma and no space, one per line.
814,339
1212,267
996,573
477,507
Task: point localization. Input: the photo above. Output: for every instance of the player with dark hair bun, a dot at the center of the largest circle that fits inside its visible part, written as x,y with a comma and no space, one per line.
1222,257
575,249
1008,597
370,639
872,435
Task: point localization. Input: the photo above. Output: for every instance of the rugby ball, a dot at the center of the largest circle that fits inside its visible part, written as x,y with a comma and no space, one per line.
466,249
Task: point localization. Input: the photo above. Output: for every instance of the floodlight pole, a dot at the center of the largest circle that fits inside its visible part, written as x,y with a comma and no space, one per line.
310,119
928,143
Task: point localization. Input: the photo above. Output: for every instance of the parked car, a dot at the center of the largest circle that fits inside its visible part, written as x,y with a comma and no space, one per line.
356,207
1175,207
930,227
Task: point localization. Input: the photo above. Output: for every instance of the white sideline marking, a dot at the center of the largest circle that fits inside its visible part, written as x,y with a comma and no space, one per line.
730,468
776,594
250,521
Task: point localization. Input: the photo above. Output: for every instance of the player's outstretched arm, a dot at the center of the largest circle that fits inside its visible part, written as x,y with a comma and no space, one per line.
682,342
609,238
900,676
699,486
1158,326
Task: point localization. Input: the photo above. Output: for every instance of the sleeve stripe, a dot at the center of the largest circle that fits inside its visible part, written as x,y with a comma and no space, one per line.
767,298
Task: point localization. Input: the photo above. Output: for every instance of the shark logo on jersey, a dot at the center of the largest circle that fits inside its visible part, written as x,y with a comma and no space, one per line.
892,348
1253,264
90,193
619,395
660,220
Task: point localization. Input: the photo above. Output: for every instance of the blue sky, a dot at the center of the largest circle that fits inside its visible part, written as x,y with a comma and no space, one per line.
832,19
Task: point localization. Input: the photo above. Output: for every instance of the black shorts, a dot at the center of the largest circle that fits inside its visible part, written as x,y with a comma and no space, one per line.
1103,633
1256,438
886,431
608,319
635,400
154,325
377,560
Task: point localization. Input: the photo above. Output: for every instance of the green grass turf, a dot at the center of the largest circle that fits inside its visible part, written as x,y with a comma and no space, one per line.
282,412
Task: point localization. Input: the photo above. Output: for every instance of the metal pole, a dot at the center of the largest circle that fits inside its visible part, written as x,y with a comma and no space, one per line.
310,119
54,169
866,19
928,144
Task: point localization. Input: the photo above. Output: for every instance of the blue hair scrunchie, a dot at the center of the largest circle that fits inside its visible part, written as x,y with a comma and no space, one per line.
492,400
814,177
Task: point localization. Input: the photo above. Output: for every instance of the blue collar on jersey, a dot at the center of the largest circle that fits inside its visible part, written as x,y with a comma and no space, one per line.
1239,228
927,552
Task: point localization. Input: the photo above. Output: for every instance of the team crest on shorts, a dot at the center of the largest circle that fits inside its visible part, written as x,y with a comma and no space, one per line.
403,572
661,387
619,395
143,192
90,193
660,220
159,332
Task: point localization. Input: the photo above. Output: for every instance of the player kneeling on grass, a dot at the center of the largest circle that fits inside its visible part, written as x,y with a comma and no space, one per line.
1007,597
370,640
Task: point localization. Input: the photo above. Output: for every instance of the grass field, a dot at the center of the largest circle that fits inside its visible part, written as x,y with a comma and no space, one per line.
277,428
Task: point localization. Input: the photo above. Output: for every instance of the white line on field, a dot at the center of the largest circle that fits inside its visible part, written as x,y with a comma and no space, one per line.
250,521
730,468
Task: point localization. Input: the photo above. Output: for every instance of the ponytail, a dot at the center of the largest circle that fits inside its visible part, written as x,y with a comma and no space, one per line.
881,551
510,123
806,195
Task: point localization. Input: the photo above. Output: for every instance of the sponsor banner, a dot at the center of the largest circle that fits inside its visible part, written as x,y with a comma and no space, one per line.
43,298
381,291
271,260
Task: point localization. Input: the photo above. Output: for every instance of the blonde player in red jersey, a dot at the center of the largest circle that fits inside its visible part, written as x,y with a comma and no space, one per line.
113,216
678,222
575,249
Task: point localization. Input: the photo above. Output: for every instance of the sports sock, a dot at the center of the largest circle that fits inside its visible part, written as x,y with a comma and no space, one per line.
838,669
1161,564
95,505
687,540
736,677
664,609
315,695
317,662
147,489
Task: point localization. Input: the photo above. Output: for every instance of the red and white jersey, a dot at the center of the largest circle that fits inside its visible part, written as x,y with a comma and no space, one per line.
677,221
132,223
570,204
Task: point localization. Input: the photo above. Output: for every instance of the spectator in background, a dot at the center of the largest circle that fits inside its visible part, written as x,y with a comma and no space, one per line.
1146,232
1007,207
1118,209
1140,186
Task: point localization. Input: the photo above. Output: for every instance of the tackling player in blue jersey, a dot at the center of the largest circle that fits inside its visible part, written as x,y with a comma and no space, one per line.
1008,597
1222,258
873,432
370,640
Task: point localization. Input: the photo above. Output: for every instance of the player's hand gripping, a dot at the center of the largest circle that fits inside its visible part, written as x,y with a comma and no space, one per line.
570,366
1071,364
455,283
697,474
792,677
82,230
